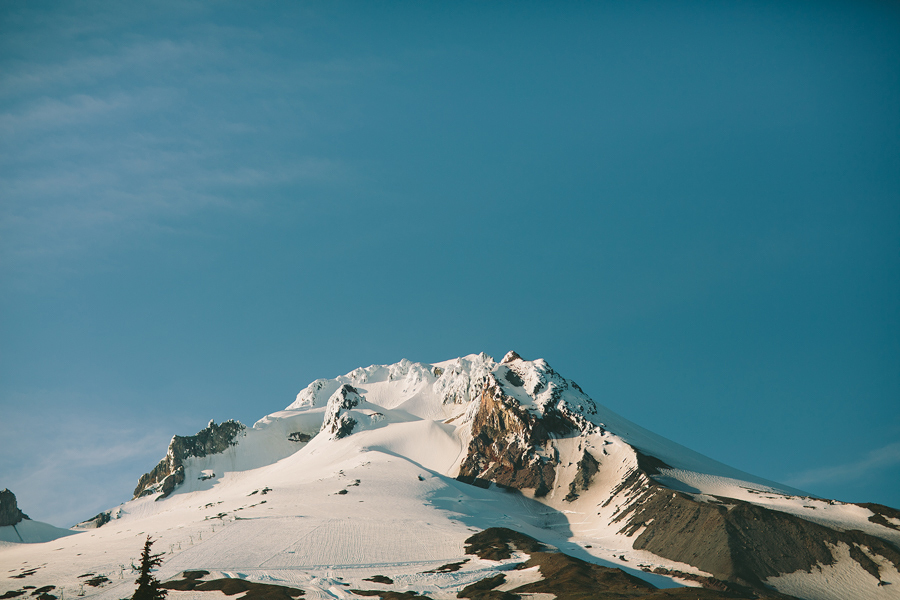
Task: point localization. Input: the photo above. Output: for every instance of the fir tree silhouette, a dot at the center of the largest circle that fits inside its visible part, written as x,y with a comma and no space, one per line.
148,585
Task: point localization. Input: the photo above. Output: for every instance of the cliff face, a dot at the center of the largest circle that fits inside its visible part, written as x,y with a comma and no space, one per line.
511,446
9,509
214,439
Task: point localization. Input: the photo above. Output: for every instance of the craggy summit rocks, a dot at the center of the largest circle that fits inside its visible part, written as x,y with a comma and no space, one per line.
215,439
521,411
506,444
338,423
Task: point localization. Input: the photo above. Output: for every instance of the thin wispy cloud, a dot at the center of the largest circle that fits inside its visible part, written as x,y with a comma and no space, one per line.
48,457
115,142
882,458
22,77
91,207
79,109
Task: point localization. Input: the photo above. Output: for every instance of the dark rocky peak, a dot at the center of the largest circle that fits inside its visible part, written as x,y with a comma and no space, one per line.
214,439
96,521
346,397
9,509
510,357
338,423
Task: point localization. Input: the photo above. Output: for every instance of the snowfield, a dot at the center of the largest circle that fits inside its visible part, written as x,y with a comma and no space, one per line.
328,512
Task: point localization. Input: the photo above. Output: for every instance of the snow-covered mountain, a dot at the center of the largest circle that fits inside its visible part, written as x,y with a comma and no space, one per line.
413,478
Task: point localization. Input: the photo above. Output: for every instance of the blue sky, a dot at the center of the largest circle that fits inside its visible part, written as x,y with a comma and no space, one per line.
692,209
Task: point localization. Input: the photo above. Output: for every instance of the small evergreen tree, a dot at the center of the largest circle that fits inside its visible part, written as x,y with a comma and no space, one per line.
148,585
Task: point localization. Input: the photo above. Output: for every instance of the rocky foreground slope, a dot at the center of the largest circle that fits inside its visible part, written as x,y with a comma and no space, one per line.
379,482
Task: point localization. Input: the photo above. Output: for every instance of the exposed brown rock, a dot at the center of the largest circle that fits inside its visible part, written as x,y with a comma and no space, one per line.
498,543
506,440
587,468
510,356
449,567
193,581
738,541
570,578
484,590
882,513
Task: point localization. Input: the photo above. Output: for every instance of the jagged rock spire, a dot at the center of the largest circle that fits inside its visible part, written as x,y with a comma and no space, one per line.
510,356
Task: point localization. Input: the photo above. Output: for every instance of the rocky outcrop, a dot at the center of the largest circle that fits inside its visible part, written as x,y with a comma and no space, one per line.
96,521
510,357
883,515
566,577
338,422
741,544
510,445
169,473
9,509
193,581
587,468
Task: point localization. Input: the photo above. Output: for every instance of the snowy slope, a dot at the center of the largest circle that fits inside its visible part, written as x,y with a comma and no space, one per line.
32,532
358,477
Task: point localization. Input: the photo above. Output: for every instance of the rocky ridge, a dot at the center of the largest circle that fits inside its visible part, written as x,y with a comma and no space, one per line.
169,473
9,509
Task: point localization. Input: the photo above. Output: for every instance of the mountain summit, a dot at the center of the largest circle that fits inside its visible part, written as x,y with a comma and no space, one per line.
474,478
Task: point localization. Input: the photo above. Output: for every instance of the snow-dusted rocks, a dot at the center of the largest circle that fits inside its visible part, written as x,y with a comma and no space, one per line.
17,528
338,421
460,381
366,480
169,473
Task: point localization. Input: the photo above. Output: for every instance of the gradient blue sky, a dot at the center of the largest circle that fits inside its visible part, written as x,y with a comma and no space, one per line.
692,209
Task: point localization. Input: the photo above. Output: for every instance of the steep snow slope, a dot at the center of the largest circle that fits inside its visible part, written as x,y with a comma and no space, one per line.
388,469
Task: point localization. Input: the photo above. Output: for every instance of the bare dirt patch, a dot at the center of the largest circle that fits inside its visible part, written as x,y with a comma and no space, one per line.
193,581
448,568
